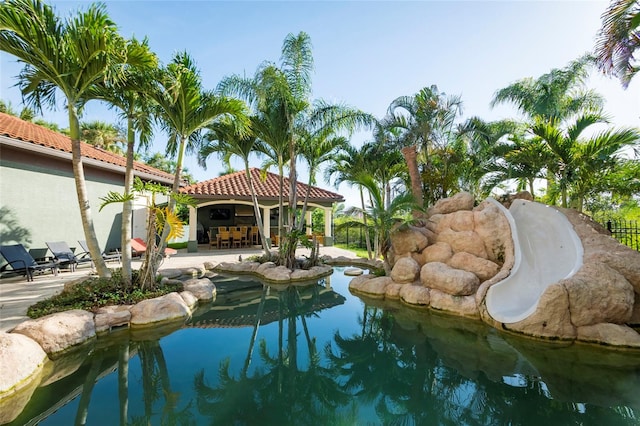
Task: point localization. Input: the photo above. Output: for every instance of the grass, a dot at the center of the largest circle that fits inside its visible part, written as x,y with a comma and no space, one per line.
358,251
94,293
178,245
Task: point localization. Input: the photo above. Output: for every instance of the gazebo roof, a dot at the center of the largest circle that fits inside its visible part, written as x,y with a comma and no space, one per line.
30,136
236,185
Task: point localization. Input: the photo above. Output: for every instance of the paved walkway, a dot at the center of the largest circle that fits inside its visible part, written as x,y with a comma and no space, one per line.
16,294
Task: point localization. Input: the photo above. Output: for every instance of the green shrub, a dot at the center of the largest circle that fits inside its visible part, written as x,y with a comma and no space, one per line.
94,293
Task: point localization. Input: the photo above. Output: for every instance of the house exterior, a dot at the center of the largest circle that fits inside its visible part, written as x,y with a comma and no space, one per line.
38,200
226,201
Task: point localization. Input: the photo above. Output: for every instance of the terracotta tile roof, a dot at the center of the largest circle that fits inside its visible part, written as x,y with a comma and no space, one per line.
235,185
15,128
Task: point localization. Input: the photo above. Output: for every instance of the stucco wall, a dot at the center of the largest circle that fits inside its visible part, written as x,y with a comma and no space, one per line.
39,203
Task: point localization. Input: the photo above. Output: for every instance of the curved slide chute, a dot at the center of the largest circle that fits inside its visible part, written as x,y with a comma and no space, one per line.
547,250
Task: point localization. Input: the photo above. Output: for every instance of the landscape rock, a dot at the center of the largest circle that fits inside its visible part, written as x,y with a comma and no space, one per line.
202,288
393,291
464,241
551,318
353,272
460,305
189,299
60,331
373,287
439,252
445,278
209,266
484,269
278,274
609,334
408,239
108,317
493,228
415,295
457,221
164,308
264,266
406,270
599,294
21,359
460,201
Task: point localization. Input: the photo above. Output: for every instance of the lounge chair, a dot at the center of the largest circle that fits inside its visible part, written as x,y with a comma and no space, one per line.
139,247
108,257
65,257
21,262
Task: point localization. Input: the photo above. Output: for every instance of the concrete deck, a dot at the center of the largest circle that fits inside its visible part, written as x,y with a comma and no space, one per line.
16,294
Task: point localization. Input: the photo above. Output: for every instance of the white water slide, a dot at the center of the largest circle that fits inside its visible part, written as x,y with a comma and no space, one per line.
547,249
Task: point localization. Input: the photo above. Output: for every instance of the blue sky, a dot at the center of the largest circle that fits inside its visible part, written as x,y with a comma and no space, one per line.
367,53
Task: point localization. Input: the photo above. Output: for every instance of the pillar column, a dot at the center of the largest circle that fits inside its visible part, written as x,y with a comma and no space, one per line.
328,220
308,222
192,244
266,224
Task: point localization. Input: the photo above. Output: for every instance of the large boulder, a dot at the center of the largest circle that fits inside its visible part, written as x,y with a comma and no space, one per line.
493,228
373,287
108,317
599,294
277,274
449,280
460,305
610,334
439,252
406,270
464,241
460,201
21,358
415,295
409,239
551,319
202,288
60,331
459,221
164,308
484,269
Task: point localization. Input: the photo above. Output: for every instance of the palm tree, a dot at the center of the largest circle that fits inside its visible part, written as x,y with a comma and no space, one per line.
129,97
71,56
280,96
184,109
425,121
103,135
558,94
577,162
618,40
226,140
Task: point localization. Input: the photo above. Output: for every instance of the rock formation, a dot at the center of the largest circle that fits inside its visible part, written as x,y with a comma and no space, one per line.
450,262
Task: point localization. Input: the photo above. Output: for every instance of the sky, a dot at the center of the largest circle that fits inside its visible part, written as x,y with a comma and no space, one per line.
366,53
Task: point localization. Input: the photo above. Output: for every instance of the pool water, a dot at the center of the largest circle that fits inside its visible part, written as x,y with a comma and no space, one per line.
317,355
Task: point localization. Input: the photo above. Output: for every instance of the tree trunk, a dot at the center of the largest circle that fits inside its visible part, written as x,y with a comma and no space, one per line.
81,190
256,210
366,226
410,157
127,208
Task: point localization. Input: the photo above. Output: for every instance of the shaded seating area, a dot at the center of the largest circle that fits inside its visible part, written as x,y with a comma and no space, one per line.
233,236
116,256
65,257
19,261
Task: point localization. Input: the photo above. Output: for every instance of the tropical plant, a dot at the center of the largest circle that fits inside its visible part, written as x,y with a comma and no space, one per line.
227,140
103,135
69,56
618,40
184,109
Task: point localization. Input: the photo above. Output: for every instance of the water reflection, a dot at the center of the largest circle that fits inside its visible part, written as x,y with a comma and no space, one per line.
317,355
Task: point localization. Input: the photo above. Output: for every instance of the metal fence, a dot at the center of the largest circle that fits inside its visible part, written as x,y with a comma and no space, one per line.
625,231
352,236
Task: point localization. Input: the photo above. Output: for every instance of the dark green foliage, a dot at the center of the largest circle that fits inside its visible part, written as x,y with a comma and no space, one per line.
97,292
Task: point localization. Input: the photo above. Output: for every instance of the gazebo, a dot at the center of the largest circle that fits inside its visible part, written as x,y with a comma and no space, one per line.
226,201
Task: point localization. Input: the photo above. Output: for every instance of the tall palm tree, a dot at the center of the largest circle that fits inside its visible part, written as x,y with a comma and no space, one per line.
69,56
129,98
618,40
280,97
227,140
559,94
184,109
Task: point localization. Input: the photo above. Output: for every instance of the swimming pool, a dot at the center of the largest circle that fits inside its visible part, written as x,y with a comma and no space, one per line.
317,355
